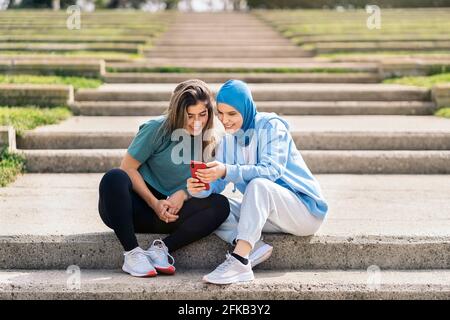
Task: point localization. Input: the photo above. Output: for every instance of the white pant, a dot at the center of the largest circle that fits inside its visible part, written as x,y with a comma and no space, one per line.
266,207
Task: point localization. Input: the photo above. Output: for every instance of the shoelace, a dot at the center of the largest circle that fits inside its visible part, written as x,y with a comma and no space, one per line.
226,264
160,245
137,256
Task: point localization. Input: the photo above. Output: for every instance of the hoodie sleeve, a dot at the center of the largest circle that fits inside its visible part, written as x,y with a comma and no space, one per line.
216,186
273,150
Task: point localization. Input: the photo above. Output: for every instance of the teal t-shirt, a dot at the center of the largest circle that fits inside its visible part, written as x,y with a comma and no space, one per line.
160,157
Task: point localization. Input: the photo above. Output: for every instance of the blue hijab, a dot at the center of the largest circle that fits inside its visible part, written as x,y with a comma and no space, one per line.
236,93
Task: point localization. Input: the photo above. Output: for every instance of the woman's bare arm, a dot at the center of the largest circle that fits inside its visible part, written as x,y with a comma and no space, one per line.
160,207
131,166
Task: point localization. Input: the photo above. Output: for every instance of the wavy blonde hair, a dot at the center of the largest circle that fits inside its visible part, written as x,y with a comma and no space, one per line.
186,94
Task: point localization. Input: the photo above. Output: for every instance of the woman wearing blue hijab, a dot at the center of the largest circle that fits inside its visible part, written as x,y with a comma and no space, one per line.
280,193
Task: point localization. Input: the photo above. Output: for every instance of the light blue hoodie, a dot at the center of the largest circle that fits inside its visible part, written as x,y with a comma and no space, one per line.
263,149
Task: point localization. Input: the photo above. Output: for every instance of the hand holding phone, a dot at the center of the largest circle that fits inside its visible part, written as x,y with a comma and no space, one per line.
195,165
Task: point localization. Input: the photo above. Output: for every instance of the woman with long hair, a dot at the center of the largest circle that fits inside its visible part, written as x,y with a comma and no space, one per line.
148,194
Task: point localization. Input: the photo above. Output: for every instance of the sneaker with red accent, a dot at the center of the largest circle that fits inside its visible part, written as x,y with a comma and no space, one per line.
137,264
159,256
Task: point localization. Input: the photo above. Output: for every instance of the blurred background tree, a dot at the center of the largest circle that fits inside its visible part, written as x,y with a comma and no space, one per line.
318,4
111,4
235,4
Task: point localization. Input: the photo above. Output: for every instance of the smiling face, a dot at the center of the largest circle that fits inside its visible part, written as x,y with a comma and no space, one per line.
231,119
197,118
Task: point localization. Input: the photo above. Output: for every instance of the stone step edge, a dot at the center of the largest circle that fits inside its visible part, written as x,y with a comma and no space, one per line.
361,77
268,237
305,140
342,161
156,108
318,252
283,284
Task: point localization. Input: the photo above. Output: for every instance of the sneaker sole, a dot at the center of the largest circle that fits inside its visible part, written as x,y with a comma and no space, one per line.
264,253
149,274
168,271
249,276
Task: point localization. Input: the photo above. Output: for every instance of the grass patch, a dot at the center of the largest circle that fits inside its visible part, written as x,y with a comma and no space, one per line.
443,112
27,118
311,25
11,165
169,69
106,55
22,119
380,54
427,82
76,82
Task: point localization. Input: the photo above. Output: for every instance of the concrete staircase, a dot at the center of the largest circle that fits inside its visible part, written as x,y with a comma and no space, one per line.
330,144
380,156
394,226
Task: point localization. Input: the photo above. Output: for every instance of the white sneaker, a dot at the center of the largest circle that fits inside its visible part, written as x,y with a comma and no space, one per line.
159,256
137,264
230,271
260,253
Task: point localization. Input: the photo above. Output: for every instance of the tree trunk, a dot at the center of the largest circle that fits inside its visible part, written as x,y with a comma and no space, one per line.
56,5
189,5
117,4
236,5
171,4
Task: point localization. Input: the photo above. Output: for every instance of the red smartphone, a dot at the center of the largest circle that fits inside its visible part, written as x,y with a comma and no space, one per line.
195,165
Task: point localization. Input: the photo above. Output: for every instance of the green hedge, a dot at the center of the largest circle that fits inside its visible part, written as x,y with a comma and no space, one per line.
11,165
284,4
111,4
28,118
45,4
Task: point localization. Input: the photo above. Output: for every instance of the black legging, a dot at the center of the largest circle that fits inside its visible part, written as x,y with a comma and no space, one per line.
124,211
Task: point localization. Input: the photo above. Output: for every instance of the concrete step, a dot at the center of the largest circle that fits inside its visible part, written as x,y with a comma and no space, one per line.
230,47
89,251
115,47
55,58
347,107
319,161
51,65
212,43
231,52
45,95
309,133
329,47
154,108
50,221
209,34
233,26
208,30
119,108
266,92
371,38
284,284
198,50
249,25
244,65
358,77
419,58
78,39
